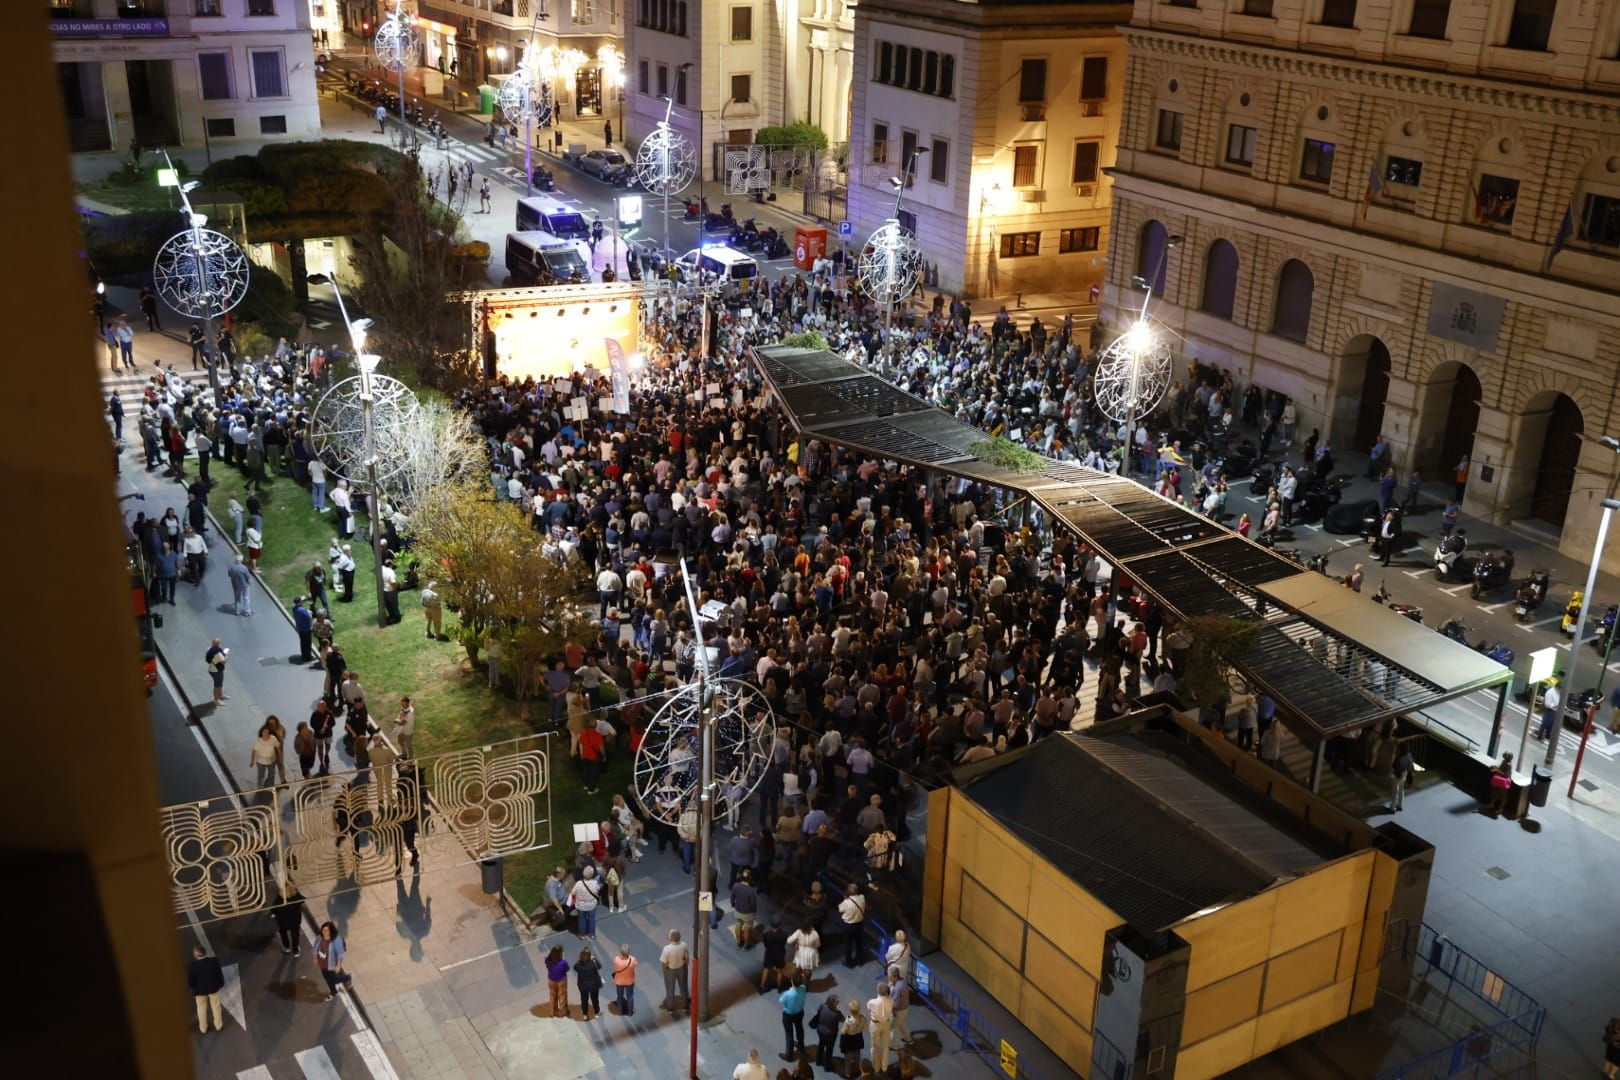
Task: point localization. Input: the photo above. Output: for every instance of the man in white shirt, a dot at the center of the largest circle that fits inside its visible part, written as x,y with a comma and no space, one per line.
880,1014
317,484
405,726
609,586
673,960
852,912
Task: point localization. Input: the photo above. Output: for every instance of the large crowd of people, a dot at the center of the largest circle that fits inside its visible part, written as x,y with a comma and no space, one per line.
897,630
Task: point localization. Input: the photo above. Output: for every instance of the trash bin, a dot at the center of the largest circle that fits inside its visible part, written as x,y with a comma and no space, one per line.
1540,784
809,244
491,871
486,100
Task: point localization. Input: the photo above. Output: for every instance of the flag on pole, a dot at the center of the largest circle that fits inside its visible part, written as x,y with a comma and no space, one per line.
1375,184
1566,229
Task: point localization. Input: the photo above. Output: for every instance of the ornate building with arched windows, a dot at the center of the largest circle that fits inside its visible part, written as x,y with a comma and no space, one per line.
1403,214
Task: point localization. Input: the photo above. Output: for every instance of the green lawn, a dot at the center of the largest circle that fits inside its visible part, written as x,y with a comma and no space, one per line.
454,707
130,196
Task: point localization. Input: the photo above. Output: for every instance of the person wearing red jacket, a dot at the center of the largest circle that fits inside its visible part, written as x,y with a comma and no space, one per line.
592,750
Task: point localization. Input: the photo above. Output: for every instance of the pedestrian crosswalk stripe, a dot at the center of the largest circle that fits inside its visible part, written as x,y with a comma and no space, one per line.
258,1072
317,1065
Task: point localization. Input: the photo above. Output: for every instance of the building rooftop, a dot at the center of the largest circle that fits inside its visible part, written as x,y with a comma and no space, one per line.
1136,820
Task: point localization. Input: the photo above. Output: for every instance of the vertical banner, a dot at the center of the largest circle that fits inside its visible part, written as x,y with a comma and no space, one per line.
619,368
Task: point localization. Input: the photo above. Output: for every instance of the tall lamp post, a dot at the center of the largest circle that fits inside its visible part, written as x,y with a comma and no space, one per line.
1609,506
702,899
367,362
901,182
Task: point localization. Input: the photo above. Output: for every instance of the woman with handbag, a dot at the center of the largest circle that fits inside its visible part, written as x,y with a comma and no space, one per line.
329,955
806,945
588,975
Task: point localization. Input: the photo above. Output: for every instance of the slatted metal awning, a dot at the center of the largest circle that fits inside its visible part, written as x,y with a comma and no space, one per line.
1334,660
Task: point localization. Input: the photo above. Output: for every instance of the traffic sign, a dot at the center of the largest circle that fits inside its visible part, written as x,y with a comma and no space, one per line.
846,229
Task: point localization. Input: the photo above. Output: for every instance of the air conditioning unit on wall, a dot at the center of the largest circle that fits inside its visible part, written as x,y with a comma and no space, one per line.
1035,195
1033,112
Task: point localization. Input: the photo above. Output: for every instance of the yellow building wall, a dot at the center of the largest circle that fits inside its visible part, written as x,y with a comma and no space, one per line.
1016,924
1265,971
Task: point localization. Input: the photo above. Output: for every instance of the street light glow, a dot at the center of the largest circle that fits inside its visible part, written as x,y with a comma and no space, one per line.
1139,338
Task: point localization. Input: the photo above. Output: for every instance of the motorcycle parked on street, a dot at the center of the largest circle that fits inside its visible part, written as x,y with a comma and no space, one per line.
1572,613
1406,611
1448,556
1532,591
1492,571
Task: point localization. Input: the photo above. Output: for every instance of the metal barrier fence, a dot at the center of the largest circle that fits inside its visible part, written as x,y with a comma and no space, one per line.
1521,1016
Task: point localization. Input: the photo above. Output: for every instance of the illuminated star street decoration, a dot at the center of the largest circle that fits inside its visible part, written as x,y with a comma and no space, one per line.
201,273
339,429
1133,373
667,766
890,264
396,41
665,161
522,97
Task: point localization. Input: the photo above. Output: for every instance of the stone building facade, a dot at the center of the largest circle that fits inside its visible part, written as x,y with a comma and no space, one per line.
1403,214
1017,109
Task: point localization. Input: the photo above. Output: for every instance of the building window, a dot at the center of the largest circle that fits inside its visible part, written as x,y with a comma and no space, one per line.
1316,164
222,128
1600,221
1399,170
1240,140
908,221
663,80
1169,133
1296,288
1260,9
1338,13
214,70
742,87
1032,81
922,70
1026,160
1183,3
261,7
1220,279
1094,79
742,24
1531,24
584,11
880,144
680,86
206,8
643,78
939,161
1429,18
268,80
1086,156
1495,199
908,148
1072,240
680,19
1017,245
1153,255
272,125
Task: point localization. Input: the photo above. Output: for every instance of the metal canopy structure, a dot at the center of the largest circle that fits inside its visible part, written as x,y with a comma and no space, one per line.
1329,657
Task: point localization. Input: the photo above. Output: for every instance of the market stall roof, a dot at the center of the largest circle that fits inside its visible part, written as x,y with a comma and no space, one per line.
1328,656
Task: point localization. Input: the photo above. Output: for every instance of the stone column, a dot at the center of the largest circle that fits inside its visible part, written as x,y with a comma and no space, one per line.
120,118
187,101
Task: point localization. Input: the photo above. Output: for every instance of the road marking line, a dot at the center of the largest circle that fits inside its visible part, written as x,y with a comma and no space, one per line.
1493,607
317,1064
1414,573
1454,590
371,1052
258,1072
1347,543
1547,622
230,995
1314,528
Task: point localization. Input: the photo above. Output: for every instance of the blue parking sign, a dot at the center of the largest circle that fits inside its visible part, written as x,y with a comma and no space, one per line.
845,229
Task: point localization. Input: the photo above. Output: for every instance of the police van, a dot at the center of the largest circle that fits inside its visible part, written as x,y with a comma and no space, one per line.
539,258
718,263
549,215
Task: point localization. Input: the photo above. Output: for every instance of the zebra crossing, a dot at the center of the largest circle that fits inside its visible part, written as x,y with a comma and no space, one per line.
316,1064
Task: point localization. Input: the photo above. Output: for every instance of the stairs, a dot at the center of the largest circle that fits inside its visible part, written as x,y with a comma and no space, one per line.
131,386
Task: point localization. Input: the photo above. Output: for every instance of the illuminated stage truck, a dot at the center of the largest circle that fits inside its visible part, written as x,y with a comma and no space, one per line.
1148,900
551,331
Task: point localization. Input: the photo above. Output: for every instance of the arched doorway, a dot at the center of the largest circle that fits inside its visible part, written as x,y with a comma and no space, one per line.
1450,417
1555,467
1363,386
1152,249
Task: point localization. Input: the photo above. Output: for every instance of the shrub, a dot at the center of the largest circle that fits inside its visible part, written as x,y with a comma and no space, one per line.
798,133
806,339
1007,454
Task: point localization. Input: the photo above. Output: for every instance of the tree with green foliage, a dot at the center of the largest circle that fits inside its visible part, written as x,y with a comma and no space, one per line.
806,339
797,134
1215,643
409,266
1007,454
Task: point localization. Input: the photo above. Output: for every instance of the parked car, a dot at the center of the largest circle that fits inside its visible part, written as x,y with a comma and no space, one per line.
604,164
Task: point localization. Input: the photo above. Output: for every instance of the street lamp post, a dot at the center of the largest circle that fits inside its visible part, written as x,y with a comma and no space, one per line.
1609,507
900,185
1137,338
702,898
367,363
